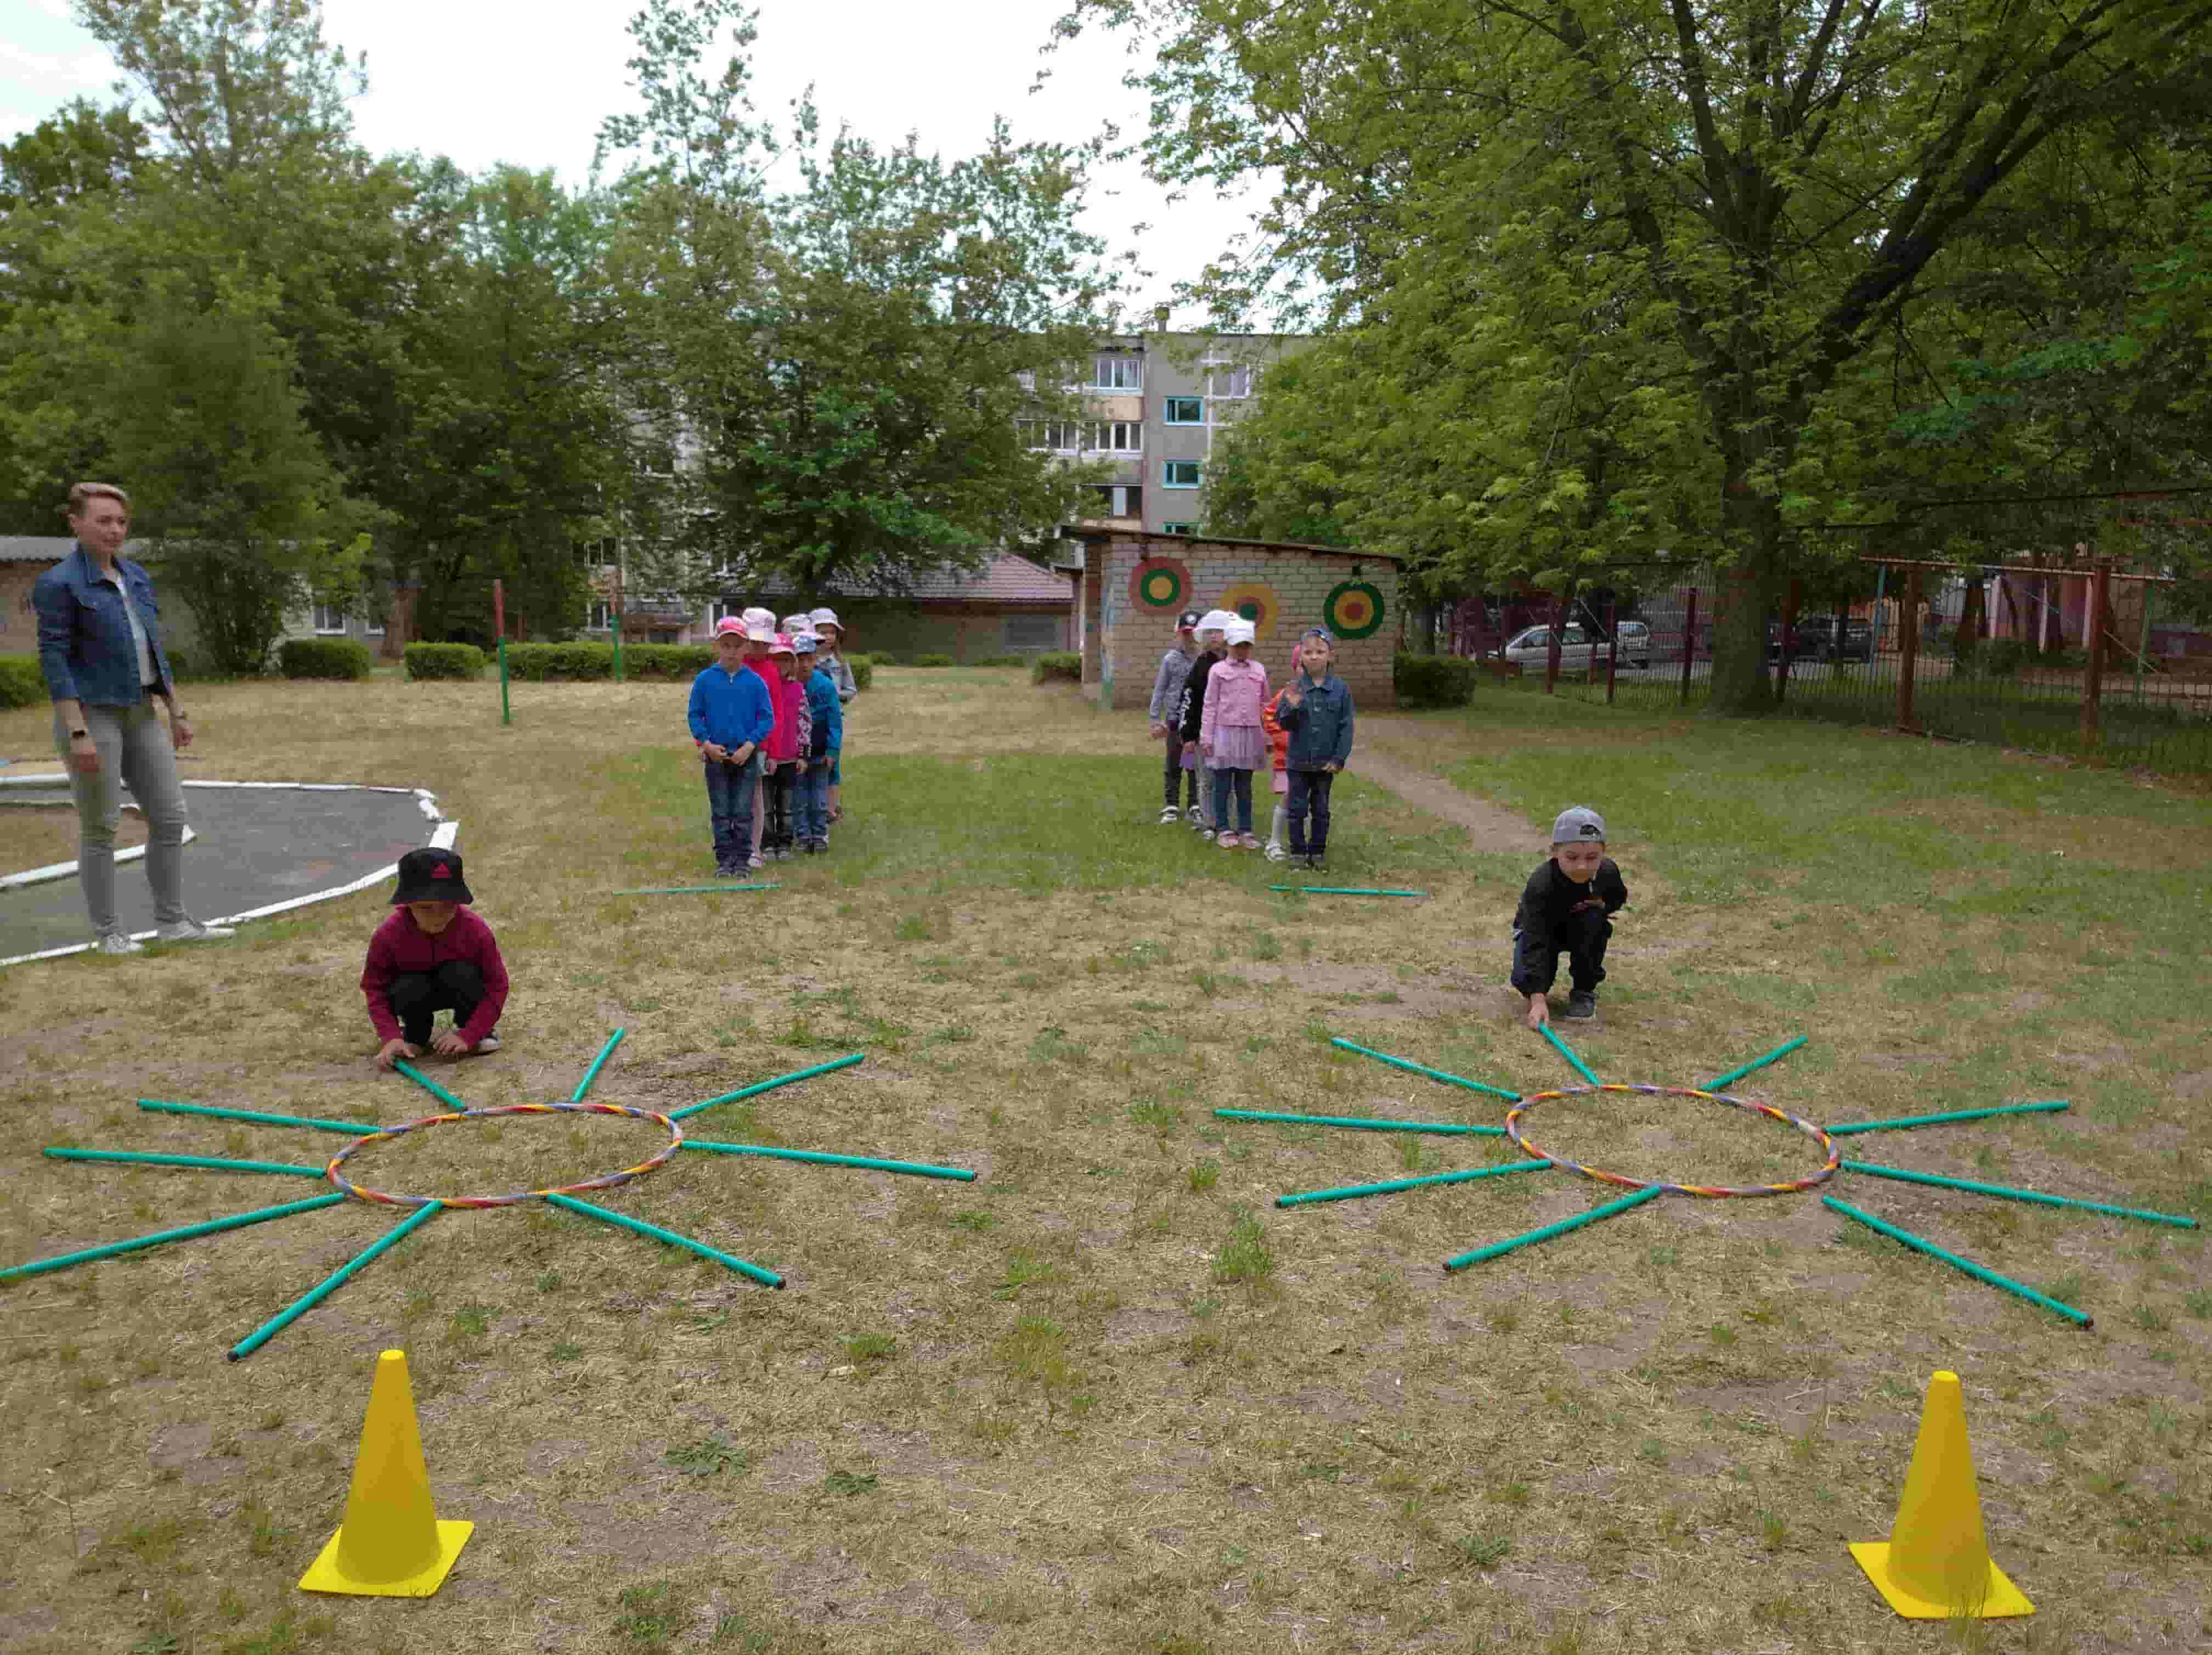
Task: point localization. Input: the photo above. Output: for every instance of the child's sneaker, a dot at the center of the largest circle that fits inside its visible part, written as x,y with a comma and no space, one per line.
1581,1007
1190,814
1206,834
755,862
119,942
1275,853
488,1043
1170,814
1228,842
188,930
1317,863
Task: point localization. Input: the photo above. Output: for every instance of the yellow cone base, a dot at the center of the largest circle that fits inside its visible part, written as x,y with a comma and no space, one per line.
2002,1600
324,1574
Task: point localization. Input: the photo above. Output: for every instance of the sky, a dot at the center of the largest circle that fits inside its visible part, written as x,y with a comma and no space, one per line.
516,81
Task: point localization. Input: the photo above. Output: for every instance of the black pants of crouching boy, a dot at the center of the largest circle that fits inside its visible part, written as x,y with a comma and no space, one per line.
1172,774
456,986
1581,937
776,835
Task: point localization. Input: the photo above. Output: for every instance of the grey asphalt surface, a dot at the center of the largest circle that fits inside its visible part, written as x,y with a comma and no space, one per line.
255,846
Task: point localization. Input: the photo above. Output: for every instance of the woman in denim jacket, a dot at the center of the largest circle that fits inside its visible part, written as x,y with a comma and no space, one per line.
100,649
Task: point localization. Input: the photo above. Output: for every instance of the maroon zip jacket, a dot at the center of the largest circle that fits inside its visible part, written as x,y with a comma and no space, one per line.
400,947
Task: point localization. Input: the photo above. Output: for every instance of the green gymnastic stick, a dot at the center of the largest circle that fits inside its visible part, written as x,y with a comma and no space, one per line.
1466,1176
592,1072
1568,1052
1343,890
2050,1106
159,1238
768,1086
2010,1193
1366,1123
623,1220
352,1129
1447,1078
1921,1244
820,1157
331,1283
692,890
1774,1056
427,1083
208,1163
1634,1199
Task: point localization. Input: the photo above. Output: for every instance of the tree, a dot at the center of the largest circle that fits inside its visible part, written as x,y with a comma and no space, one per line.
1704,215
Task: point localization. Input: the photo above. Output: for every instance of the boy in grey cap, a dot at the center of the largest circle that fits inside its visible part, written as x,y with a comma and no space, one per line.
1565,907
1167,714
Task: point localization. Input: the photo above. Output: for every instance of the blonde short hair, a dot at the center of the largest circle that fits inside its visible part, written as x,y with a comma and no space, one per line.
82,494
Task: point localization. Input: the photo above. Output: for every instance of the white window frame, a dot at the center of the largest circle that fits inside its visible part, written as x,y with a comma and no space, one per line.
1168,474
1118,437
1117,370
1239,376
601,617
324,630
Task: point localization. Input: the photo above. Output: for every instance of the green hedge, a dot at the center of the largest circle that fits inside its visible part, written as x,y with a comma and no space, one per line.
1001,660
22,683
324,658
935,660
1433,680
864,670
584,661
444,660
1056,664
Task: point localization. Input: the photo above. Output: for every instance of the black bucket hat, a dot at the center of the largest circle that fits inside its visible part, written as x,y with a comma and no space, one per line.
431,874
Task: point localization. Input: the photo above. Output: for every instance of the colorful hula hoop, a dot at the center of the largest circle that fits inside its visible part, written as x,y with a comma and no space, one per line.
1818,1134
608,1181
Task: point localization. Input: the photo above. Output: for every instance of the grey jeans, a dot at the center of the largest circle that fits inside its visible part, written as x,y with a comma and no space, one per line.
134,753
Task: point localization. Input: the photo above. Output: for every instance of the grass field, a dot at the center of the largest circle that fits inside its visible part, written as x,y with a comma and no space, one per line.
1108,1396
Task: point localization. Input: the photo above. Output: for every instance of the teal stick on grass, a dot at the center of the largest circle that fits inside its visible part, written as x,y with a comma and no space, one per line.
1450,1080
623,1222
1343,890
1568,1052
693,890
768,1086
2047,1108
1366,1122
206,1163
1920,1244
1905,1176
428,1084
1774,1056
598,1063
1635,1199
352,1129
159,1238
1352,1192
331,1283
821,1158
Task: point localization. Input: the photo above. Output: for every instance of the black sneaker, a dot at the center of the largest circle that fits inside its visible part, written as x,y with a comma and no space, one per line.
1581,1007
1317,862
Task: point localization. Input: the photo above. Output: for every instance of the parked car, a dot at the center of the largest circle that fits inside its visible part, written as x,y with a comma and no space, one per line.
1531,646
1633,640
1831,637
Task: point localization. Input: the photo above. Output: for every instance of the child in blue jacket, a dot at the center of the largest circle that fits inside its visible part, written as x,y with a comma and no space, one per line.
825,735
1315,709
730,716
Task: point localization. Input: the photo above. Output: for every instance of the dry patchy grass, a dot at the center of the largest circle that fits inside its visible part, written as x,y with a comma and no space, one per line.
1107,1396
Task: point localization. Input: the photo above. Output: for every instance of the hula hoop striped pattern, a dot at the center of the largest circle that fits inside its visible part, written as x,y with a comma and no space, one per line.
1716,1191
608,1181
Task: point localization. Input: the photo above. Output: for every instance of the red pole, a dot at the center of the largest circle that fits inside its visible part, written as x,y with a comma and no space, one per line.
499,609
1689,642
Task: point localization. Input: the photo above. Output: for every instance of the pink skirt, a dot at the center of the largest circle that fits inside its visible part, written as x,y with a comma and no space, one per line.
1239,747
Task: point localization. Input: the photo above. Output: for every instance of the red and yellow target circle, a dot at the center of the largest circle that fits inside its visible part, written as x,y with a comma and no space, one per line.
1353,610
1257,604
1159,583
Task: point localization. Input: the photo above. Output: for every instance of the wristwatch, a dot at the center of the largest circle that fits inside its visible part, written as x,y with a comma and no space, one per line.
79,735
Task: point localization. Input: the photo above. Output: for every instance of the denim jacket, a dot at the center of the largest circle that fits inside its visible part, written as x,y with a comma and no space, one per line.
84,636
1321,727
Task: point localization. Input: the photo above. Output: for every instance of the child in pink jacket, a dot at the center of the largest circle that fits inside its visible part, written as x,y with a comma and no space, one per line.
1231,737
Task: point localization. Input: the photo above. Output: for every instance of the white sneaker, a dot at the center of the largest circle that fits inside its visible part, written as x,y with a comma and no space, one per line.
1170,813
489,1043
755,862
1190,814
188,930
118,942
1275,852
1206,834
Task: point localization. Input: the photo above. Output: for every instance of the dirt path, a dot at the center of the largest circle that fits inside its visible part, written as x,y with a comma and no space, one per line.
1489,827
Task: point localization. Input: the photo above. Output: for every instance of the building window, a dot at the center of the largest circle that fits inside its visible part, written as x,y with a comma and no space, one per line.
1032,632
329,619
1229,380
601,619
1179,473
1058,436
1178,528
1118,372
1120,436
1026,379
1183,411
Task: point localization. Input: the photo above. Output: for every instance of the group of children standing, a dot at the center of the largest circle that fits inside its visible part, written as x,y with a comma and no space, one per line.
1211,706
767,718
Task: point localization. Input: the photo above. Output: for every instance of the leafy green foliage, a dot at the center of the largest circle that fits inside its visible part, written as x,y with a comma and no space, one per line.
22,683
1064,664
1433,680
597,660
324,658
444,660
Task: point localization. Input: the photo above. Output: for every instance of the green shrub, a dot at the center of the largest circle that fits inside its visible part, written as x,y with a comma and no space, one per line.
887,658
1001,660
864,670
444,660
1433,680
934,661
22,684
2000,658
323,658
1056,664
2072,658
578,662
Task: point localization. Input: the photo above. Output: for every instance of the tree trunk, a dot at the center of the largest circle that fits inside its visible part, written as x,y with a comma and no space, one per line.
1743,593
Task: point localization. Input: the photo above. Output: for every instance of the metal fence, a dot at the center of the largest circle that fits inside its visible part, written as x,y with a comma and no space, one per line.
1889,656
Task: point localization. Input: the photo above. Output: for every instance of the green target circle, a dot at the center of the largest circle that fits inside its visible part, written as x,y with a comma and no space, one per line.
1354,610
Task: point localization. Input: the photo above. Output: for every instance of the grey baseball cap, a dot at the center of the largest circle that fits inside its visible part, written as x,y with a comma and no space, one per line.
1577,824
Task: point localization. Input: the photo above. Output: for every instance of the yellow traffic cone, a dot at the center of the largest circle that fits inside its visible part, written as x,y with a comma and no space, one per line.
1936,1564
391,1544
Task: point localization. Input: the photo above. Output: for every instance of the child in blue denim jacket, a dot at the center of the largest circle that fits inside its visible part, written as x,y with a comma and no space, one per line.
1315,710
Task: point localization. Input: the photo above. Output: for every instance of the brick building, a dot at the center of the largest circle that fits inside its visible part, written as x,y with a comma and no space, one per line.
1134,584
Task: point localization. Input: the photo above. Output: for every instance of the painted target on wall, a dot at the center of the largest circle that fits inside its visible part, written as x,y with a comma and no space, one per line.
1159,583
1257,604
1353,610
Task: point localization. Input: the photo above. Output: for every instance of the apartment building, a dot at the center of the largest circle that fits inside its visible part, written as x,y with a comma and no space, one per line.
1153,405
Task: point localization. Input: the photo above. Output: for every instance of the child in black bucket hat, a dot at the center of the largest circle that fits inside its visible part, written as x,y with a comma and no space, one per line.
433,954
